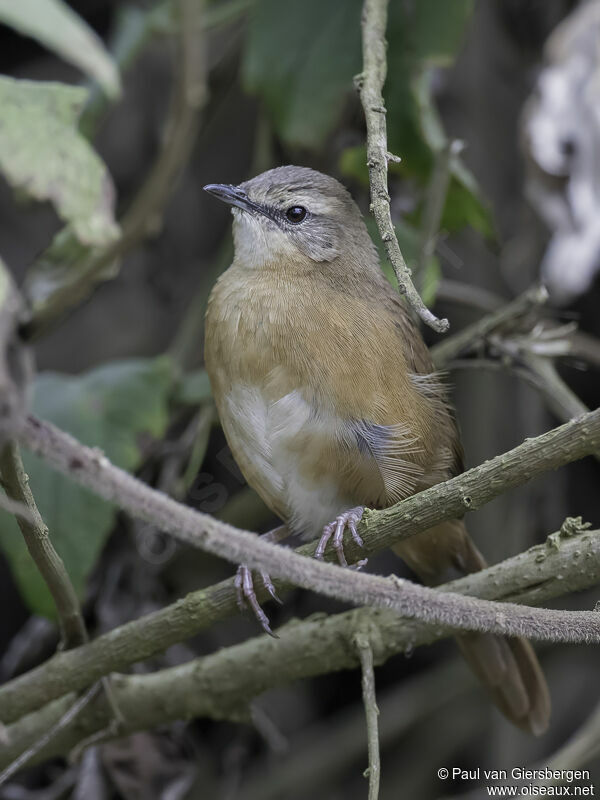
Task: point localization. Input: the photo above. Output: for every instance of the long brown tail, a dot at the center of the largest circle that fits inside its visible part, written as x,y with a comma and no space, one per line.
507,667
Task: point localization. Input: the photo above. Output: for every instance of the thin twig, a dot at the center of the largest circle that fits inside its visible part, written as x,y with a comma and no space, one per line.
72,627
465,294
559,398
16,484
220,685
576,344
15,508
518,371
365,654
521,355
144,214
48,735
370,84
449,500
455,345
585,347
328,749
539,371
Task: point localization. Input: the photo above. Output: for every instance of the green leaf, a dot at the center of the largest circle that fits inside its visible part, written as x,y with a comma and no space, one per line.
301,58
113,407
56,26
464,207
42,153
353,164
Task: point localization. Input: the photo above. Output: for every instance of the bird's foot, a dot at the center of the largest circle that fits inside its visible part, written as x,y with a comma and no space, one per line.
349,519
246,595
244,585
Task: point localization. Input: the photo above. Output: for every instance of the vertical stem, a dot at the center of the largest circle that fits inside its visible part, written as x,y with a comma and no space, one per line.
365,654
16,485
434,206
370,84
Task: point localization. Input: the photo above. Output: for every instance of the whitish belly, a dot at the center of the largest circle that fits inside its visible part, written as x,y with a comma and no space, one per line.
289,453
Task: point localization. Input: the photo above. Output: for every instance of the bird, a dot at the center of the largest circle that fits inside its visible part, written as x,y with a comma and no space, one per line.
329,400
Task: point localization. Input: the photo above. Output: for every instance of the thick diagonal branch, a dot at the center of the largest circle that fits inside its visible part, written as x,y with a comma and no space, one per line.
143,638
221,685
448,500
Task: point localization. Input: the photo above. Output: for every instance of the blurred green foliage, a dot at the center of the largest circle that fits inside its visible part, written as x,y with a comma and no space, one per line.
420,35
193,389
113,408
300,58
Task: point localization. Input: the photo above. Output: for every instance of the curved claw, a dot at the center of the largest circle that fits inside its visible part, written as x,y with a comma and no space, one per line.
268,584
352,523
349,519
246,596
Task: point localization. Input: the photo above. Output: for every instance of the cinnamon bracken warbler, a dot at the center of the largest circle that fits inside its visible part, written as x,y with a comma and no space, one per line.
328,399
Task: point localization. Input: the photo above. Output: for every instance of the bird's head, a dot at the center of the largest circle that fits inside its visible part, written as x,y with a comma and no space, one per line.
293,214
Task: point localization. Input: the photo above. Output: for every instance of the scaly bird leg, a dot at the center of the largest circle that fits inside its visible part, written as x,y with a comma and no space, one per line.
349,519
244,583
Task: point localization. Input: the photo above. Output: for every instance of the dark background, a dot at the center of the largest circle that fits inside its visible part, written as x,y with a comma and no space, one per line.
319,748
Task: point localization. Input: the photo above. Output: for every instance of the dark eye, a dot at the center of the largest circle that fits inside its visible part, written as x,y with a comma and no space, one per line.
296,214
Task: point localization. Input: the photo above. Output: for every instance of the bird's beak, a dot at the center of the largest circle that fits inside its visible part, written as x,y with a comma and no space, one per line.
232,195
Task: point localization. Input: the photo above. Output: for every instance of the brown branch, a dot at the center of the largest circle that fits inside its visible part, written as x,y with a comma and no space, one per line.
523,355
447,500
16,485
370,84
152,634
72,628
140,639
47,736
221,685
